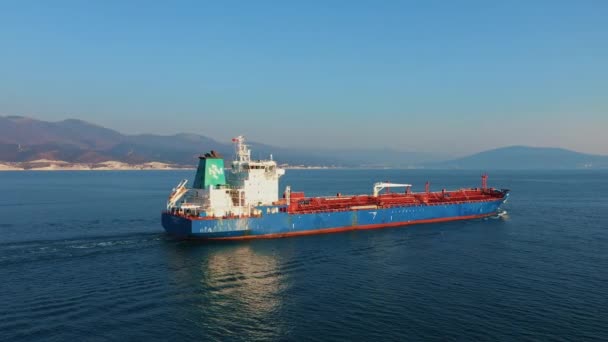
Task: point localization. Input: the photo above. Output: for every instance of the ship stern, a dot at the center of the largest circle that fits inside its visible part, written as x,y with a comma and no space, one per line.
177,226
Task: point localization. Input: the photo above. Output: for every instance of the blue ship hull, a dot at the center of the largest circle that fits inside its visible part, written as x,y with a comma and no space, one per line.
283,224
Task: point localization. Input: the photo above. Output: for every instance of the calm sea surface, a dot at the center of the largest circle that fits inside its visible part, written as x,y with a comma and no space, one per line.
83,257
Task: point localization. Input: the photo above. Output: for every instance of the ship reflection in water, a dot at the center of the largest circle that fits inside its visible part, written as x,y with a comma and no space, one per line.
245,278
236,290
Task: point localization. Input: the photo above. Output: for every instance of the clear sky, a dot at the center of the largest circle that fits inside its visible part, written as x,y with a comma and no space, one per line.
438,76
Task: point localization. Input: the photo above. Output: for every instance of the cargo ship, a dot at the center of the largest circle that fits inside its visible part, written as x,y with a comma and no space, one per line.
243,202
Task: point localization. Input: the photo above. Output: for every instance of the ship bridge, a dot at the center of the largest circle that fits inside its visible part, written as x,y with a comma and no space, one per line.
218,192
257,180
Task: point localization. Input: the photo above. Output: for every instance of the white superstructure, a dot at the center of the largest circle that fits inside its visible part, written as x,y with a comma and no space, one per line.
259,179
248,184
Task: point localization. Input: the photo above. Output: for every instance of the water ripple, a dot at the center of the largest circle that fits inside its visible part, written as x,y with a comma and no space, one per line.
537,275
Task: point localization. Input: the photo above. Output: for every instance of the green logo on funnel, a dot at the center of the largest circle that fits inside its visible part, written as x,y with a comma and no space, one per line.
210,172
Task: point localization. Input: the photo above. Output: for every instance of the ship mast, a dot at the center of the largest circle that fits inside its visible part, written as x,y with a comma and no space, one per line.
243,153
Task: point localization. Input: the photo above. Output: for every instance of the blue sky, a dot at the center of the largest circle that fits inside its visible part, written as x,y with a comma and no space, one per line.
438,76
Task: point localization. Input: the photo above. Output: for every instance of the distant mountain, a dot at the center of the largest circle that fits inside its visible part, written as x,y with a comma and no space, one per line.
524,157
76,133
25,139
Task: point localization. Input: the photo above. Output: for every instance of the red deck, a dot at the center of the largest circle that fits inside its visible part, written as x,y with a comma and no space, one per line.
300,204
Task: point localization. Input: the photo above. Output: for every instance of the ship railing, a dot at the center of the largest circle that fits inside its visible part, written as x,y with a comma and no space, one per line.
401,195
304,210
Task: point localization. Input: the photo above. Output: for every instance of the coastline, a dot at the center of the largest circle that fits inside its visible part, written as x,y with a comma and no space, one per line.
113,165
59,165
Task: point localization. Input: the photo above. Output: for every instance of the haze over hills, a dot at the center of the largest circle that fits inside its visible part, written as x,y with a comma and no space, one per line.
25,139
525,157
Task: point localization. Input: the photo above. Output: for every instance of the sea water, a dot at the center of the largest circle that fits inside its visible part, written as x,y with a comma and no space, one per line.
83,257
